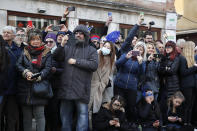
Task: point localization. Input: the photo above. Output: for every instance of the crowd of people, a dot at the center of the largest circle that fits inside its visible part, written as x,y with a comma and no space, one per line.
85,82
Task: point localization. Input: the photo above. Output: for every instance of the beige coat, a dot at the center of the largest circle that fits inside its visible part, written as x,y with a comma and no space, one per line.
99,82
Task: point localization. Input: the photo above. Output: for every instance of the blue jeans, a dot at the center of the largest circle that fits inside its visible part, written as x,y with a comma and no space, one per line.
66,114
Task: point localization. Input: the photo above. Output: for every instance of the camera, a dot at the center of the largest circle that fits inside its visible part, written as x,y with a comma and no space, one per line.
36,75
55,28
151,23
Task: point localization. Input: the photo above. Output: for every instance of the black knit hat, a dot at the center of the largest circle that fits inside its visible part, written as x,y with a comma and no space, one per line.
82,28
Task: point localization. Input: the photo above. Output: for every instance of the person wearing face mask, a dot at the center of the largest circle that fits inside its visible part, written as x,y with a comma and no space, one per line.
130,65
101,77
52,109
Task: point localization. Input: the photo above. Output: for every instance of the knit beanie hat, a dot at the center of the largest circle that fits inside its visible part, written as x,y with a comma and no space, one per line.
50,35
95,37
113,36
61,32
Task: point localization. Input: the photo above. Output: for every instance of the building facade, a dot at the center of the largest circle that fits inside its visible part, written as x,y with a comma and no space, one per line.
124,13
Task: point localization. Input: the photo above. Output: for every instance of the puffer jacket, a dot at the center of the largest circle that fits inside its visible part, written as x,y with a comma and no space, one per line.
14,53
76,79
149,113
129,71
151,76
126,46
24,90
169,70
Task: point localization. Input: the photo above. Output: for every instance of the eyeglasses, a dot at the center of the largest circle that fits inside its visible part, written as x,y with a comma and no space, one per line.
49,42
20,35
80,33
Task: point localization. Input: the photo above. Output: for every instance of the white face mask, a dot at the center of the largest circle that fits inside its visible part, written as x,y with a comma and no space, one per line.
53,49
105,51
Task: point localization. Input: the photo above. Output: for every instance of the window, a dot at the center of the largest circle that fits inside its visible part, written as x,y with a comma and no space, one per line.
98,28
20,19
124,29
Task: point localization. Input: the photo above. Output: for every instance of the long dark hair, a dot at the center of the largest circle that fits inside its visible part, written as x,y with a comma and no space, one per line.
174,53
4,58
112,55
118,98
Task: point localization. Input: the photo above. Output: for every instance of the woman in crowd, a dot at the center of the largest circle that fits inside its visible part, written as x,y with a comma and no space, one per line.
130,66
149,111
188,70
175,112
169,69
52,109
111,116
100,78
36,58
152,68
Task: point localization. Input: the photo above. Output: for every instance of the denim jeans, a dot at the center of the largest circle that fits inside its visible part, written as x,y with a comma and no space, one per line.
38,113
66,114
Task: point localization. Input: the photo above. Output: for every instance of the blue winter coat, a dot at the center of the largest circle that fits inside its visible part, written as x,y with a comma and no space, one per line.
127,76
126,46
11,81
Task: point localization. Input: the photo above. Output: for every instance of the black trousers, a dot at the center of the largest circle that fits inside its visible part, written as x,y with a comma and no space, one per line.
52,114
188,104
130,97
10,109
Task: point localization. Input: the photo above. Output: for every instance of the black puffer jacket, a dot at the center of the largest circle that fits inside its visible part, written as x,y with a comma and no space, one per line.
170,73
24,90
149,113
76,79
101,121
187,75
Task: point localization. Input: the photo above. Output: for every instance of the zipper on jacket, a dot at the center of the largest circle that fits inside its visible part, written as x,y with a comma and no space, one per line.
129,74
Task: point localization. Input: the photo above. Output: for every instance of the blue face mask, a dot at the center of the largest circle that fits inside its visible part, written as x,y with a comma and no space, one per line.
105,51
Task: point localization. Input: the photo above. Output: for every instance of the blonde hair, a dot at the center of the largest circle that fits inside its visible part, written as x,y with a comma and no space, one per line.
152,44
142,44
188,52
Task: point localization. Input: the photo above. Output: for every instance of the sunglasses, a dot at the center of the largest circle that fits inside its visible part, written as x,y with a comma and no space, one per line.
149,94
49,42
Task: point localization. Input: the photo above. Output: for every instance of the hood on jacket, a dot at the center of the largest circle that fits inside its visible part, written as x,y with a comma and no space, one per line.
84,29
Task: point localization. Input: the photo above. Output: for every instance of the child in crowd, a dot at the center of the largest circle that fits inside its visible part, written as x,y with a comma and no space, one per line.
149,111
111,116
175,112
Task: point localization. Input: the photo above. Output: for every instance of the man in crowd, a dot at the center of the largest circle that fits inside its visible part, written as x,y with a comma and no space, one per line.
20,38
148,37
80,61
9,104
